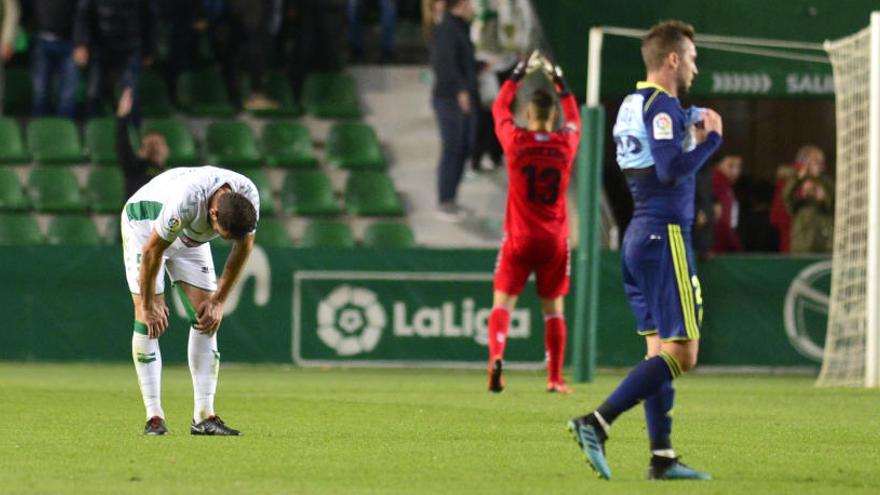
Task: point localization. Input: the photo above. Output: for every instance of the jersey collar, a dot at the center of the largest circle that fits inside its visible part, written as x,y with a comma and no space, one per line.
646,85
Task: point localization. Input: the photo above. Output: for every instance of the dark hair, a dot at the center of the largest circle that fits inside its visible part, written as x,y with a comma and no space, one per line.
543,103
663,38
236,214
451,4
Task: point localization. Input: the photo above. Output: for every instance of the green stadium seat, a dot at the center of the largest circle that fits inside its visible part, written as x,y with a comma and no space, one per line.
331,95
76,230
101,141
267,200
181,144
202,94
105,190
309,192
277,88
231,144
112,232
12,149
53,140
12,195
371,194
17,92
19,229
55,190
288,144
354,146
272,233
328,235
154,96
389,235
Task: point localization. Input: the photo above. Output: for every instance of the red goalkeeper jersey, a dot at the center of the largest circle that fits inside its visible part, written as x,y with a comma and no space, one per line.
538,169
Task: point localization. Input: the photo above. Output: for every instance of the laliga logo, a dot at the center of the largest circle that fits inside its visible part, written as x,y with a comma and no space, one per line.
350,320
803,298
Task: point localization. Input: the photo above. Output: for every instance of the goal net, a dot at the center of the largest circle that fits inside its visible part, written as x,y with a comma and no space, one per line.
851,344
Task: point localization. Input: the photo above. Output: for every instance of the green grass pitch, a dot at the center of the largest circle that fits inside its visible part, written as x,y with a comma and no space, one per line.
77,429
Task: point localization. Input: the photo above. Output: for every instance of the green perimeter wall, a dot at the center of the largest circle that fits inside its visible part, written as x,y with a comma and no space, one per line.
566,24
405,307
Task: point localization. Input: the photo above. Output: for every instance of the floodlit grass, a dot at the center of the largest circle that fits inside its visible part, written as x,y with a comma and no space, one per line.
77,429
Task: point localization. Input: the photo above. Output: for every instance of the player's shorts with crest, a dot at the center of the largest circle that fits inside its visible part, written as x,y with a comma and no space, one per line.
660,281
191,265
549,259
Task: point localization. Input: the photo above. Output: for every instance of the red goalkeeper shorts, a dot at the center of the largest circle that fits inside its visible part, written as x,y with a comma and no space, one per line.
549,259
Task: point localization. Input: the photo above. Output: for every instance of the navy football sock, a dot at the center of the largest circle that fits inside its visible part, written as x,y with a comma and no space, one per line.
657,415
643,381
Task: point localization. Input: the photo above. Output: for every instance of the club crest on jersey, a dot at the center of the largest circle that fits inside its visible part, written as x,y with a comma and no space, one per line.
662,126
173,224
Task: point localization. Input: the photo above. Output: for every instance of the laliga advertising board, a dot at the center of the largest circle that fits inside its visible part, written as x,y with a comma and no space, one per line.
405,319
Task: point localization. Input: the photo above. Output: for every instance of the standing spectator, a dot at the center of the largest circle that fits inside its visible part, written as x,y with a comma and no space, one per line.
780,217
810,200
432,15
704,215
9,15
317,24
250,44
388,18
152,156
52,57
116,38
724,176
187,20
455,100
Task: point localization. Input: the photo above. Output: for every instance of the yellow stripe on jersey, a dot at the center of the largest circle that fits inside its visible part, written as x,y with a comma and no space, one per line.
685,289
651,100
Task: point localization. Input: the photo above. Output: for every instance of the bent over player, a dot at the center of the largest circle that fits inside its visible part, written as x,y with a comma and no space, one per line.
167,224
660,148
536,220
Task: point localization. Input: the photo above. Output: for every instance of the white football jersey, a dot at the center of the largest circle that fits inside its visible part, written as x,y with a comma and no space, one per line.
175,203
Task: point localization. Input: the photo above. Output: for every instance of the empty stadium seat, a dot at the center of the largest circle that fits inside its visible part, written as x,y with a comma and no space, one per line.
112,232
181,144
328,235
267,200
154,96
354,146
105,190
12,195
309,192
272,233
202,94
331,95
11,145
17,92
277,88
389,235
371,194
231,144
19,229
101,141
76,230
53,140
288,144
54,190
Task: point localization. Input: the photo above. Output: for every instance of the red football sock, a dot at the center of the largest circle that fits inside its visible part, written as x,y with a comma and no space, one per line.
554,340
499,321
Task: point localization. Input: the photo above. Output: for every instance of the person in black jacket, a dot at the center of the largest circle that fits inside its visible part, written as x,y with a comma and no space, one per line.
151,158
455,100
52,57
115,38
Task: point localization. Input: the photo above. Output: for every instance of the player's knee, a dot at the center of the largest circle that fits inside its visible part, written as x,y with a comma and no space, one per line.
687,361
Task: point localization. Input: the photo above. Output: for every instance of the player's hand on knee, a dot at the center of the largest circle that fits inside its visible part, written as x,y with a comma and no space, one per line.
156,320
209,316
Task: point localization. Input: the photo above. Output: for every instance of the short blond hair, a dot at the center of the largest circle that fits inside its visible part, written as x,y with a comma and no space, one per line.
663,38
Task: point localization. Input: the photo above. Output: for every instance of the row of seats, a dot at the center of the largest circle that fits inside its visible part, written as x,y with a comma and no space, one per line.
229,143
303,193
23,230
202,93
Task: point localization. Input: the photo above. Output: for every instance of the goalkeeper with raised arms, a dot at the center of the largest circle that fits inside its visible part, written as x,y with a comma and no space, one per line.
660,148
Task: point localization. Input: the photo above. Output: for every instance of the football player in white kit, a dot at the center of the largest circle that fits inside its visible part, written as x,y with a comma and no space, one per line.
167,224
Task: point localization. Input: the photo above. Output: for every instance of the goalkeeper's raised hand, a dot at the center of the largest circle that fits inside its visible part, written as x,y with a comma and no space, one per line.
554,73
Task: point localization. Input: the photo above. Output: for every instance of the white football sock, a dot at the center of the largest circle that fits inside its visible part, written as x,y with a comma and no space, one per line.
148,364
204,365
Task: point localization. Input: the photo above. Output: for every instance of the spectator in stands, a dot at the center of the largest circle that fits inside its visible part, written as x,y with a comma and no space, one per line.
724,176
780,217
251,43
9,15
115,38
317,24
432,15
187,19
388,18
152,156
455,100
704,215
809,198
52,57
